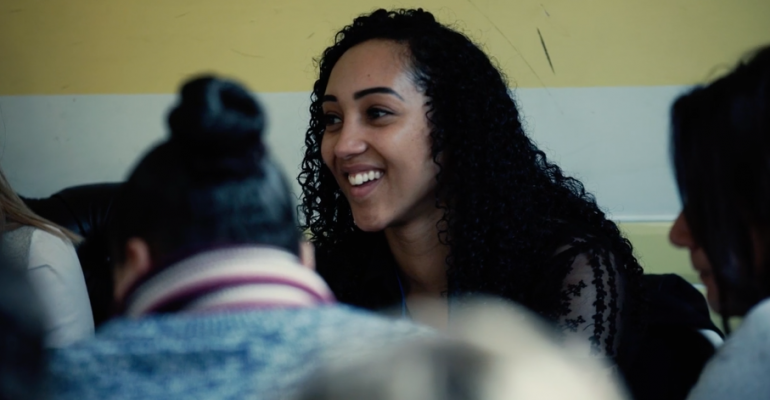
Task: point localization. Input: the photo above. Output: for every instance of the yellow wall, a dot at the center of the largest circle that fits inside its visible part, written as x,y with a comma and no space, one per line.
148,46
655,253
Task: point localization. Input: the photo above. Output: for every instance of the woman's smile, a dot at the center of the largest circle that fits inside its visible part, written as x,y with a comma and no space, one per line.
362,183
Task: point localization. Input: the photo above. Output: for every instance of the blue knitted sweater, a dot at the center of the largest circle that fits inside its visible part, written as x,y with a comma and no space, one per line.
257,354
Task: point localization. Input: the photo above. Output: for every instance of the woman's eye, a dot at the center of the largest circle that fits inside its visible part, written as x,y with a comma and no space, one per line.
374,113
331,119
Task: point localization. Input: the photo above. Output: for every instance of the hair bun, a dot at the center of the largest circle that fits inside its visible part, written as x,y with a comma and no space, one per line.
218,125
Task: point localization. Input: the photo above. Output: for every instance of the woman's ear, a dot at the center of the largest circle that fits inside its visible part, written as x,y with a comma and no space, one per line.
136,265
307,254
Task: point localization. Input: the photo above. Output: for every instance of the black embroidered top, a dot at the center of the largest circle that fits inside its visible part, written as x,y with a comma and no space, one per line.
591,305
592,297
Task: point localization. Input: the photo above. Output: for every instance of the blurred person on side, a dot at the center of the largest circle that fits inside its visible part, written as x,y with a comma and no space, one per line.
46,251
495,351
721,152
22,332
218,293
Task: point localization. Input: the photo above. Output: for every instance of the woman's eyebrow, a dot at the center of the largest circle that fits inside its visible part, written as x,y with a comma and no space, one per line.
380,89
329,97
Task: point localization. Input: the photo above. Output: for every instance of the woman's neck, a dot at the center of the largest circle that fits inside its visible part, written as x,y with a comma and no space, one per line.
420,256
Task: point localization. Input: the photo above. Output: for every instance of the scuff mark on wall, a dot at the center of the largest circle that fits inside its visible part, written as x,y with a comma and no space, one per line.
508,41
246,54
544,10
545,49
3,133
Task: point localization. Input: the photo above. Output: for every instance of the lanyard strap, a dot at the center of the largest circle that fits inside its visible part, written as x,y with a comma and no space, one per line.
404,310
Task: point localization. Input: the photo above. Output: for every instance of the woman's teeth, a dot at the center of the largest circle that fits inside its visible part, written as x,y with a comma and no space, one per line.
363,177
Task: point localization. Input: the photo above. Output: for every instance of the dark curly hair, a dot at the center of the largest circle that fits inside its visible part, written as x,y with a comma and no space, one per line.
506,208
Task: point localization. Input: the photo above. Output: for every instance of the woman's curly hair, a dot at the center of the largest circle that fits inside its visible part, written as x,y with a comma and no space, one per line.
505,206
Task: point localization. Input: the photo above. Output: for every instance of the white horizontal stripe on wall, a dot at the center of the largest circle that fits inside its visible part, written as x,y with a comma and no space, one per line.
615,139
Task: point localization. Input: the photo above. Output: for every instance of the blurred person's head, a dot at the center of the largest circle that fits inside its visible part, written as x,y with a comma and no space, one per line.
496,351
211,184
22,352
721,153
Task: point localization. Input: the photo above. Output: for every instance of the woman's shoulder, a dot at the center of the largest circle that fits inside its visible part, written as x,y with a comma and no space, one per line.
576,245
738,370
15,232
750,341
50,235
46,247
15,246
54,269
757,321
27,236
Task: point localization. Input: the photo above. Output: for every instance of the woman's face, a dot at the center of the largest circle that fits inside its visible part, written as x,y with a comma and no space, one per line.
680,236
377,138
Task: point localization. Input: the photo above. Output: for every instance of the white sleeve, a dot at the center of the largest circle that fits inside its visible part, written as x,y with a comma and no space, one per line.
55,273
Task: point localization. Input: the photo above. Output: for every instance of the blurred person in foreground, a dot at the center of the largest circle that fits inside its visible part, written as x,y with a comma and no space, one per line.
721,151
495,351
46,251
22,332
219,298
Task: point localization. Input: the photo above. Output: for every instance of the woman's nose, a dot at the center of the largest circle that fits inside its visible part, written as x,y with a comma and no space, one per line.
350,142
680,235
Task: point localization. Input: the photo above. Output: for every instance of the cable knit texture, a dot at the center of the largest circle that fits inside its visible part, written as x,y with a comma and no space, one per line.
233,355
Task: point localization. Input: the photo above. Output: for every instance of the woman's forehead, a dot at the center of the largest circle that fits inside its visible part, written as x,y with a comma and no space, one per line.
371,63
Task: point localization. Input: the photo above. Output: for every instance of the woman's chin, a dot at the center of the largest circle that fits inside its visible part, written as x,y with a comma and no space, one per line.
370,228
369,224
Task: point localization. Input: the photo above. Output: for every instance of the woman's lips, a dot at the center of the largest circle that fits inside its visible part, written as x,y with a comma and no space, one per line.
360,191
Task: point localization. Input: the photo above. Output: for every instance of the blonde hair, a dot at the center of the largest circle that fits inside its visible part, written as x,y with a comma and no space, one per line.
13,211
494,350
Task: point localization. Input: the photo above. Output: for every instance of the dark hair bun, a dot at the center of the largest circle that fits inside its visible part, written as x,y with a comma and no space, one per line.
218,126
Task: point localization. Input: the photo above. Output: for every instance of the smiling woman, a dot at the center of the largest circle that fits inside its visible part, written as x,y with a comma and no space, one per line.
419,181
